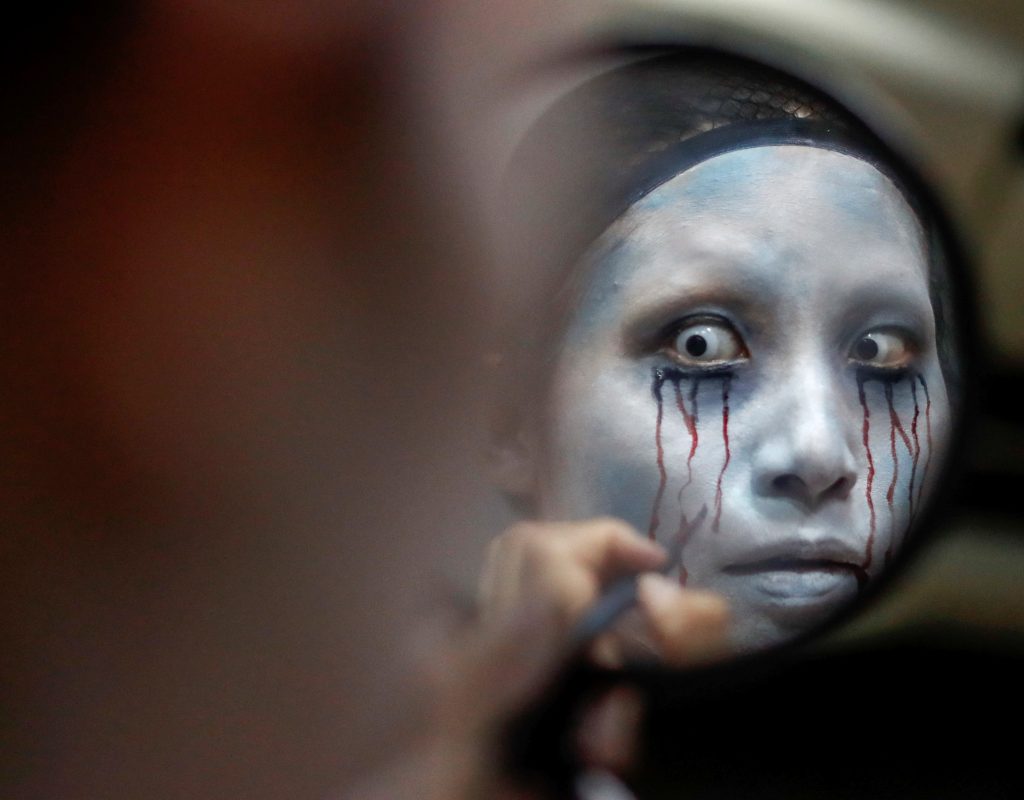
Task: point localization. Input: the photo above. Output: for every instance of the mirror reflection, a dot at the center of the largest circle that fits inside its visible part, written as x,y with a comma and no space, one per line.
750,362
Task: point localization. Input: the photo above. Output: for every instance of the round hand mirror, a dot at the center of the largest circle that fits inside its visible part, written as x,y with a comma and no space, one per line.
748,350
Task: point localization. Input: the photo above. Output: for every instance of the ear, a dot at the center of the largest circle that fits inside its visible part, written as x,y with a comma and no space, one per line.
513,461
513,451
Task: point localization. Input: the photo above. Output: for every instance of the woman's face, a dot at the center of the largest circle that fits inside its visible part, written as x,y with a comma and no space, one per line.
755,337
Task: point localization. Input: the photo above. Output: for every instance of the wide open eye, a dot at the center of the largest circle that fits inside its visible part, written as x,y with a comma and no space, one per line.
883,349
706,341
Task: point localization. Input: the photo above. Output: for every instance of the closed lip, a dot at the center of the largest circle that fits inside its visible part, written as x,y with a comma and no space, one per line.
800,573
797,555
798,565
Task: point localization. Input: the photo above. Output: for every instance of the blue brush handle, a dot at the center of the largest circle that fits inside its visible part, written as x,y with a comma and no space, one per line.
617,600
622,594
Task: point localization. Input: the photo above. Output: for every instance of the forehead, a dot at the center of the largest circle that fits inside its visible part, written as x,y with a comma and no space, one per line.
778,216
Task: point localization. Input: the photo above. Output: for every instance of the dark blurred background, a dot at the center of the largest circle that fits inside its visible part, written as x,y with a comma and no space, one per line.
115,688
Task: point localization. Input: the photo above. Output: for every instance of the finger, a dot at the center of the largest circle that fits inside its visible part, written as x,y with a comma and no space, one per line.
583,558
500,578
630,640
606,651
534,563
607,735
565,564
612,548
688,626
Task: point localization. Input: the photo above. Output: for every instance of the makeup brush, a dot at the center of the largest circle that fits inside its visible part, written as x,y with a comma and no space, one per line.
622,594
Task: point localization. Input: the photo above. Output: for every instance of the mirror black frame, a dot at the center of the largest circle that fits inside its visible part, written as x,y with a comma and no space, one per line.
539,750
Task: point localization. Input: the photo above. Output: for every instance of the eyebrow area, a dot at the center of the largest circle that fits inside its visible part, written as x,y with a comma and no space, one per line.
753,303
745,305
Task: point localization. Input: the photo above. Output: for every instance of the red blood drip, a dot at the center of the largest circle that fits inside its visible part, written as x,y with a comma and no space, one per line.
895,426
659,378
871,474
690,420
892,445
894,417
917,451
928,429
681,536
728,455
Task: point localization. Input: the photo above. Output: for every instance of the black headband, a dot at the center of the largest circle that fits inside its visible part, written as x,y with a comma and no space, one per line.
686,154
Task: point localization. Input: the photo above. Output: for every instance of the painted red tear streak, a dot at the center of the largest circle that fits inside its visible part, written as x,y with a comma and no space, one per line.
728,455
861,575
889,495
917,451
892,444
681,535
928,437
690,420
866,429
659,379
896,427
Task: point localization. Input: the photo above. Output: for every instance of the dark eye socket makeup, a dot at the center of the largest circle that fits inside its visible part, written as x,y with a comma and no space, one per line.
885,350
709,342
711,335
703,341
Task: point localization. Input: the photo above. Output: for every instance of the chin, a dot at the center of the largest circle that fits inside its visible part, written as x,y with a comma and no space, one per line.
770,609
756,635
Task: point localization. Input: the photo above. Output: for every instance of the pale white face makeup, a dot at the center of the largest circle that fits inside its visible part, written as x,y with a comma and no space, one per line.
755,336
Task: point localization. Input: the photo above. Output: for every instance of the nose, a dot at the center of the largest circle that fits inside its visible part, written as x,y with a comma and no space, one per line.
805,452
